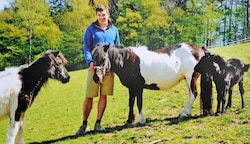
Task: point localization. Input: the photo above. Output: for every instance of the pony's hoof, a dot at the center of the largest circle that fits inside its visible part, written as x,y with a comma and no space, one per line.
244,107
183,116
208,112
217,114
138,124
128,124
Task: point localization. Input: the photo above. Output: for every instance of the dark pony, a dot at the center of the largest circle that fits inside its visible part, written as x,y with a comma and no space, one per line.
139,68
31,78
225,75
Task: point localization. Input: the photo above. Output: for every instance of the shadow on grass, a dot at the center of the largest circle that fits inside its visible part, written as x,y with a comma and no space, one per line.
174,120
149,122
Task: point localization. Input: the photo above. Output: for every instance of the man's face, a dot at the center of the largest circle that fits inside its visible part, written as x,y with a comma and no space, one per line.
102,17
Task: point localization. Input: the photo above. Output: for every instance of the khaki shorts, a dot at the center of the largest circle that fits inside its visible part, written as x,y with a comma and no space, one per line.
106,88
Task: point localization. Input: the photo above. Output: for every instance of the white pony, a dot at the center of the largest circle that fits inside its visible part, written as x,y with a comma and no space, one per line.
139,68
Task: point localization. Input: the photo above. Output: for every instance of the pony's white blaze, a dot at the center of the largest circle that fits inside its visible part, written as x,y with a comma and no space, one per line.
168,70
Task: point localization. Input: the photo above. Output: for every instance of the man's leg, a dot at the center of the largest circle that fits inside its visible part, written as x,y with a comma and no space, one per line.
101,106
100,111
87,107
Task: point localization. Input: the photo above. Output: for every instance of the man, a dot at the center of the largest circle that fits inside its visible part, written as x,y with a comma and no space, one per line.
100,31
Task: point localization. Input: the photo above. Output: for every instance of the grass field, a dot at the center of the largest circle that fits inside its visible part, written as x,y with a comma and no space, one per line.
56,114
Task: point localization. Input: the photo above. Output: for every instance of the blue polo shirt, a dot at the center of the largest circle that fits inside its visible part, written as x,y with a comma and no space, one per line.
94,35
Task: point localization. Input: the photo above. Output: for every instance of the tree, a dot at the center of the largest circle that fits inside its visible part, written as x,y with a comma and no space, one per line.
195,21
11,39
157,24
34,16
129,26
57,9
142,22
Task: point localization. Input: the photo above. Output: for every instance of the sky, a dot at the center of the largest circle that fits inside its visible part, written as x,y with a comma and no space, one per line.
4,3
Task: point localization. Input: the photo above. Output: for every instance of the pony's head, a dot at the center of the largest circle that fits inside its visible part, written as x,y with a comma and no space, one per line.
57,68
210,63
101,60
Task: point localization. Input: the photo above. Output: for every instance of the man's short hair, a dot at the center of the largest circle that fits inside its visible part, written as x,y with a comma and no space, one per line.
101,8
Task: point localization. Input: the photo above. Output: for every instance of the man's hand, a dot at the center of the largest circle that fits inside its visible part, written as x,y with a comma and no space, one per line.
92,66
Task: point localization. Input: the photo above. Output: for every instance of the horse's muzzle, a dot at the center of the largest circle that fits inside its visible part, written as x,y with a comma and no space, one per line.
65,80
96,78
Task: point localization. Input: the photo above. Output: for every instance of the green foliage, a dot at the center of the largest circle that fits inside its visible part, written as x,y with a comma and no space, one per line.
143,22
43,34
72,50
11,39
197,23
129,27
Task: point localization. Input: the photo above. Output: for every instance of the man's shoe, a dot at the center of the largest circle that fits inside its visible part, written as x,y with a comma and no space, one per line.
82,130
99,128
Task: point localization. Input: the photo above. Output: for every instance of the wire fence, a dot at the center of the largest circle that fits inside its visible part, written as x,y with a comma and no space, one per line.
231,43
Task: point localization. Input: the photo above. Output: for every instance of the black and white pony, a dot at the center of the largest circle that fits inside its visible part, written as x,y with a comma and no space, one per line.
19,87
139,68
225,75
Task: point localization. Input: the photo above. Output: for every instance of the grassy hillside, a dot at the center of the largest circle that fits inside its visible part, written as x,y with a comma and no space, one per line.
56,114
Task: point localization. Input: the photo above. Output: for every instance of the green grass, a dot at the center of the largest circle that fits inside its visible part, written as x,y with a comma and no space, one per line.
56,114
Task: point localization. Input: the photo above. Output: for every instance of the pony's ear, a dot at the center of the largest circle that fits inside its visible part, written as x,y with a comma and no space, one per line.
56,53
208,54
106,47
246,67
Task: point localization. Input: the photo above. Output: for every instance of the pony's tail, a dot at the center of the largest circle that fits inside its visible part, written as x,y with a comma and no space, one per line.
206,99
195,76
206,94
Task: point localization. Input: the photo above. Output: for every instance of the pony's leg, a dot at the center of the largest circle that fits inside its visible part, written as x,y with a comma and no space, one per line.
241,88
229,102
131,116
223,100
186,112
141,119
14,125
19,137
12,132
218,105
223,109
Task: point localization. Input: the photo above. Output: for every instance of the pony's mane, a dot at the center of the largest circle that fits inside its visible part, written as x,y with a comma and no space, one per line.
121,50
64,60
